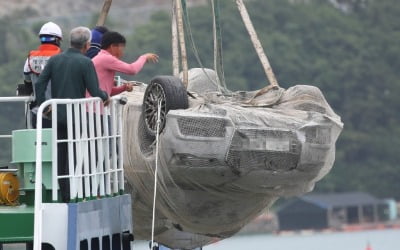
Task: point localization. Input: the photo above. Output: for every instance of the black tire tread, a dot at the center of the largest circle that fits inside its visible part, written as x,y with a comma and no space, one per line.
175,94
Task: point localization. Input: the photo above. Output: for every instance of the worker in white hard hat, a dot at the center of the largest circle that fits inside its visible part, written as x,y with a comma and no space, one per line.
50,36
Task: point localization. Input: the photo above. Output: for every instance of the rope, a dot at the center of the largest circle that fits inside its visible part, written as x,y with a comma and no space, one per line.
256,43
189,35
218,58
11,202
155,173
181,35
7,200
175,42
104,12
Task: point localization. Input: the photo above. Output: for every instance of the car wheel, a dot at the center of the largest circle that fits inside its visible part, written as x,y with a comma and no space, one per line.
167,91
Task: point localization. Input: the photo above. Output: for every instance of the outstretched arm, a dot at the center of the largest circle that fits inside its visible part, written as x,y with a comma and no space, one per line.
132,68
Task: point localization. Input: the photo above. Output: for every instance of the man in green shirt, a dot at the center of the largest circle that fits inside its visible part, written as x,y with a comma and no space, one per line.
71,74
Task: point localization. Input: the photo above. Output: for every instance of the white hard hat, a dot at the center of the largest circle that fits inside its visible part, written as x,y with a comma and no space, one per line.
51,29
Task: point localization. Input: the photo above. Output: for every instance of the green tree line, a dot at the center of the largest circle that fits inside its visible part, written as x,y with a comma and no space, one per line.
353,57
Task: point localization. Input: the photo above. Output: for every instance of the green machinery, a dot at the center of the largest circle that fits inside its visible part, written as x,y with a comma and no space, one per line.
17,186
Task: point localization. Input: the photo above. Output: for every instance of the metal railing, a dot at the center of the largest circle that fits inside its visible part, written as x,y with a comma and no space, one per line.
6,134
95,159
21,99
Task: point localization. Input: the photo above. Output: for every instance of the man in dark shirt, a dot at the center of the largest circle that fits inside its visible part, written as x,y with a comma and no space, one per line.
71,74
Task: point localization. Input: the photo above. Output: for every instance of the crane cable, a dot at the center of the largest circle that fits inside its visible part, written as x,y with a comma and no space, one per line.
155,173
189,35
218,56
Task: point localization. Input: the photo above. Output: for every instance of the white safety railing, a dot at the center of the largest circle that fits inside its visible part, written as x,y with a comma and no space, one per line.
95,159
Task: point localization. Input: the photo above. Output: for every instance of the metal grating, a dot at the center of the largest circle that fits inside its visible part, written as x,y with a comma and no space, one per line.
202,127
241,161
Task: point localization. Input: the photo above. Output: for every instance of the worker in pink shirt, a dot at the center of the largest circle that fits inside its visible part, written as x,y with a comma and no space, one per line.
108,61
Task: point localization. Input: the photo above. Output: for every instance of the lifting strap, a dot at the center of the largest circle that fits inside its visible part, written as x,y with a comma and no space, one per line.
256,43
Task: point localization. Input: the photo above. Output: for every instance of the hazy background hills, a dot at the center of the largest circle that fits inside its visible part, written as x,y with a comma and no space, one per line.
66,7
69,13
349,49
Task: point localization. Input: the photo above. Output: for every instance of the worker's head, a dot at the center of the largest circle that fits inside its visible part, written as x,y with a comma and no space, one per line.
80,38
50,33
97,34
114,43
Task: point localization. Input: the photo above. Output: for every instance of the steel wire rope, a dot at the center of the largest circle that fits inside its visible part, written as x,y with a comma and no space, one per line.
217,35
155,173
188,26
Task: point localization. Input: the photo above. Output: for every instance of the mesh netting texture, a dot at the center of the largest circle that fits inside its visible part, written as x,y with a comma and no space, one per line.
226,158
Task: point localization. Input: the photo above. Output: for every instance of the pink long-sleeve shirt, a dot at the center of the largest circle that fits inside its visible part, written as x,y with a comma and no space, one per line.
106,65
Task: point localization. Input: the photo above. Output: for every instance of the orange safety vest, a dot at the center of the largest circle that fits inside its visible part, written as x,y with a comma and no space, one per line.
37,59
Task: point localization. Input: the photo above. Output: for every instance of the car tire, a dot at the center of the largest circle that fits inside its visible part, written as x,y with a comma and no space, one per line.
172,94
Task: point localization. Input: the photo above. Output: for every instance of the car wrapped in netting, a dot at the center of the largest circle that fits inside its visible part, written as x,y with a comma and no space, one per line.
223,157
